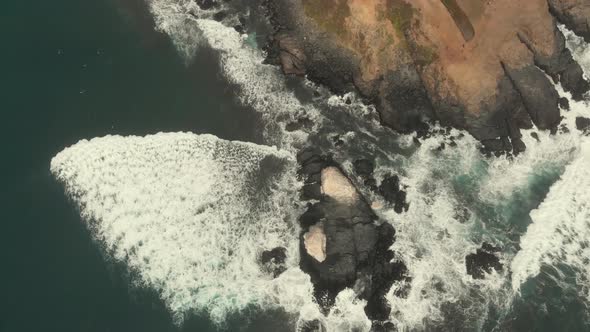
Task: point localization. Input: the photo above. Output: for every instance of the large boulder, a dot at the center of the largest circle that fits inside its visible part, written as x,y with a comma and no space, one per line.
342,242
484,260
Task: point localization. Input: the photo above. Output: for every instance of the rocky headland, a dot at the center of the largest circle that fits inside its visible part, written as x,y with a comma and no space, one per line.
343,242
487,67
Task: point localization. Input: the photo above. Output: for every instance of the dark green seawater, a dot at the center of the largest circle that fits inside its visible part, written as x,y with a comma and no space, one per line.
78,69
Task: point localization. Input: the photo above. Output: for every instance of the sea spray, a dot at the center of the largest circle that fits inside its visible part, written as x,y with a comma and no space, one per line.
258,85
560,232
560,228
189,215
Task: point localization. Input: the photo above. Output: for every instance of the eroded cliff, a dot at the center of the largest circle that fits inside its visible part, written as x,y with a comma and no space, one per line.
483,66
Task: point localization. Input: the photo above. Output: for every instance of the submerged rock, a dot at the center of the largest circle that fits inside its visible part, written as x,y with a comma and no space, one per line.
393,194
273,261
582,123
311,326
483,261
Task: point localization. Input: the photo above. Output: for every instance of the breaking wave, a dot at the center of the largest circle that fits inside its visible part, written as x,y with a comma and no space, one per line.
189,215
560,232
259,85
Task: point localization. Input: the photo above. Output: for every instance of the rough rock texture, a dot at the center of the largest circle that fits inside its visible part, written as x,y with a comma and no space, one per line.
583,123
484,260
389,188
273,261
573,13
356,248
474,65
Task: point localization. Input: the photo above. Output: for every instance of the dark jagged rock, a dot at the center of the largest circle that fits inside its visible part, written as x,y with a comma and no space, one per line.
364,168
341,243
299,124
518,146
312,215
393,194
582,123
378,326
290,54
564,129
564,103
273,261
535,136
207,4
560,64
484,260
538,95
575,14
311,326
384,273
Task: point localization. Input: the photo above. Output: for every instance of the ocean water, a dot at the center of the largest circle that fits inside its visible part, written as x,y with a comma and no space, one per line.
139,231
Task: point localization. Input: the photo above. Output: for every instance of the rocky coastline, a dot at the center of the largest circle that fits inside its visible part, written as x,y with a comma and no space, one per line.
488,69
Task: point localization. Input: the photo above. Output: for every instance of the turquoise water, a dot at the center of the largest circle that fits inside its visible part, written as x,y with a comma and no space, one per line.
76,69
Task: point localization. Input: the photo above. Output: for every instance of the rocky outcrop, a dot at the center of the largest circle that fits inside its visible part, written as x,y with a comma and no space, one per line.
575,14
273,261
480,66
483,261
583,124
389,188
343,244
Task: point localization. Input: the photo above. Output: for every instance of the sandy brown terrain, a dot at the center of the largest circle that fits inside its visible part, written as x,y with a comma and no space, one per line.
479,65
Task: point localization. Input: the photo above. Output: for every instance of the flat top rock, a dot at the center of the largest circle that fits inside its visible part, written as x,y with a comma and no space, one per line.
315,242
338,186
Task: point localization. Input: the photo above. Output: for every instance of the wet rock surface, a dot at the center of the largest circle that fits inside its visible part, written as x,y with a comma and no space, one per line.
483,261
575,14
392,193
273,261
356,252
583,124
389,188
483,68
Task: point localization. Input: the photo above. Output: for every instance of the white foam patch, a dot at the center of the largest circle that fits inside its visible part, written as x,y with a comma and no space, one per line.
560,228
579,49
260,86
189,215
434,236
560,232
173,19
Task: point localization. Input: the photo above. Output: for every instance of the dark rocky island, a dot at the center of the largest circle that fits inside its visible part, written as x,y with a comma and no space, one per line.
343,244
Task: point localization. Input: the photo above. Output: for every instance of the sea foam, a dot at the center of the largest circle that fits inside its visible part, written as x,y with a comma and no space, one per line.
189,215
258,85
560,232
